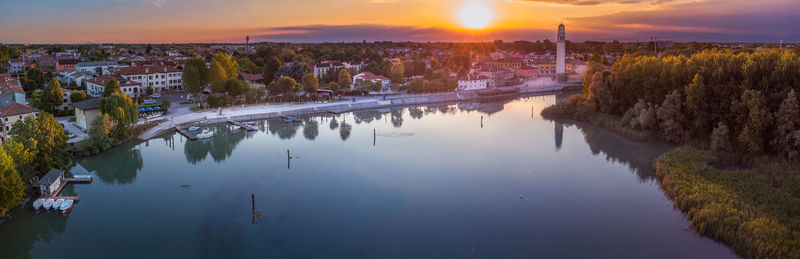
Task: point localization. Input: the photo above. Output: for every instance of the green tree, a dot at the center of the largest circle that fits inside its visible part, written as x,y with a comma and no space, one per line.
235,87
787,127
34,79
285,85
697,101
148,91
310,83
12,189
52,96
122,110
758,117
111,87
721,139
195,75
671,118
417,85
100,132
270,68
77,95
22,157
44,137
231,66
398,73
344,79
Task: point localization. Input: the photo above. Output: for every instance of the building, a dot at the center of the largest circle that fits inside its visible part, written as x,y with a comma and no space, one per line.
160,78
96,86
507,63
86,111
66,103
13,113
63,65
254,79
323,68
10,91
97,68
473,83
527,72
369,76
17,66
76,77
51,183
561,53
496,76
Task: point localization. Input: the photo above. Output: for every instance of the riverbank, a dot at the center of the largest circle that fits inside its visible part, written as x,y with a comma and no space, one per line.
574,109
754,211
264,111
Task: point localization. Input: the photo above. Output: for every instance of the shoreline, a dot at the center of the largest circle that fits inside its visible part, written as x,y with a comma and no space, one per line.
267,111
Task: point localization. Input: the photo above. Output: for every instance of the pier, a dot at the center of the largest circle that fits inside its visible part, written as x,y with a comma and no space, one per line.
78,179
185,132
242,125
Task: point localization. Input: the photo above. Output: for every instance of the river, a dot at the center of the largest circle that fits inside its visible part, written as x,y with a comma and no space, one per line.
481,179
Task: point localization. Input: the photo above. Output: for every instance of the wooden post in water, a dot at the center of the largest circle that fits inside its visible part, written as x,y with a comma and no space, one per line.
373,137
288,160
481,121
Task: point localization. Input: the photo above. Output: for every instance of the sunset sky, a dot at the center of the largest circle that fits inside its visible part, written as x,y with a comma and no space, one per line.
144,21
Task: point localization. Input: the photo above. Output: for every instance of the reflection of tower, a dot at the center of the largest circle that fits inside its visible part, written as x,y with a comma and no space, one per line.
561,54
559,135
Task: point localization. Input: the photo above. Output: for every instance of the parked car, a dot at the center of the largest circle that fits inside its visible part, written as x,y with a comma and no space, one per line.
155,96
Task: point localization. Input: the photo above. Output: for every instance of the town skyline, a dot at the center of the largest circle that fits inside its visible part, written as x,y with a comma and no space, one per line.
179,21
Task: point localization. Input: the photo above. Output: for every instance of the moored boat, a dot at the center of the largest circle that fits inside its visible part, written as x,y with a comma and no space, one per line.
57,204
67,205
194,129
37,204
233,128
48,203
289,120
205,134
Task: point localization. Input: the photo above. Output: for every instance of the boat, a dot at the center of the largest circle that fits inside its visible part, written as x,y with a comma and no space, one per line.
251,123
289,120
194,129
249,127
205,134
48,203
57,204
66,206
37,204
233,128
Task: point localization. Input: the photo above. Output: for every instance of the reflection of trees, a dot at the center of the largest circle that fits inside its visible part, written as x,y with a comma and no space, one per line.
282,130
559,135
25,228
344,131
220,147
118,165
639,156
487,107
397,117
416,112
334,124
366,116
310,128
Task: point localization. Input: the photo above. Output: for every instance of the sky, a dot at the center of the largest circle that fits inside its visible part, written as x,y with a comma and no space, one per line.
180,21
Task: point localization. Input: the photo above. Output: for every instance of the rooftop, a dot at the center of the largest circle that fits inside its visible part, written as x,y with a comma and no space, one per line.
16,109
51,177
88,104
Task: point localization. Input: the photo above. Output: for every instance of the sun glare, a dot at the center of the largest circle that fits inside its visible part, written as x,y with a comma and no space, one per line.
475,15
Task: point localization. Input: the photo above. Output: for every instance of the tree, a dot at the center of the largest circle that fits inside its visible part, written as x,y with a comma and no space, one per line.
235,87
77,96
344,79
720,139
217,72
697,100
787,127
23,158
122,110
12,188
270,68
231,66
148,91
44,137
671,118
310,83
195,75
285,85
52,96
758,117
417,85
398,73
100,132
111,87
34,79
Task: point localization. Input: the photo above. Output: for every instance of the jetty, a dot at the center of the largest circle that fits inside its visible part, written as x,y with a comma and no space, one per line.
242,125
185,132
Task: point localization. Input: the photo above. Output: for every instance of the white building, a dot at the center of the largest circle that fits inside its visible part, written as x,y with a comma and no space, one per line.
368,76
473,83
160,78
97,68
324,67
561,53
96,86
17,66
77,77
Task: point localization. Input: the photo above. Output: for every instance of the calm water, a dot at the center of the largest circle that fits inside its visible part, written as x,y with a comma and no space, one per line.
433,182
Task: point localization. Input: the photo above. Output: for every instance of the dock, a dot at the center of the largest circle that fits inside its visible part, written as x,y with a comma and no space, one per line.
185,132
242,125
78,180
74,198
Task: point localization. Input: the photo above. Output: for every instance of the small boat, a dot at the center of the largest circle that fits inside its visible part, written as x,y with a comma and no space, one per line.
66,206
194,129
37,204
48,203
57,204
251,123
205,134
233,128
289,120
82,176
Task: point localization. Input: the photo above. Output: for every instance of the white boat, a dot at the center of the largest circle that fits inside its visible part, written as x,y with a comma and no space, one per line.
205,134
234,128
37,204
193,129
82,176
57,204
66,206
48,203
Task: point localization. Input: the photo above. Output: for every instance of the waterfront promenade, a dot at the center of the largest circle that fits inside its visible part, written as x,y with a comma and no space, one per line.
265,111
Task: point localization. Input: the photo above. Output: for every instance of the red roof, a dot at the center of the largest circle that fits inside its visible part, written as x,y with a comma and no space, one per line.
251,77
370,76
16,109
103,80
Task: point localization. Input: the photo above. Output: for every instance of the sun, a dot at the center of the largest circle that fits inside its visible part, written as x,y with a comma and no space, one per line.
475,15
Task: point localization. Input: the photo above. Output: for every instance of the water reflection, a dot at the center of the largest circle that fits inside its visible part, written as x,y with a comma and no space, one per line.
29,228
310,128
117,167
219,147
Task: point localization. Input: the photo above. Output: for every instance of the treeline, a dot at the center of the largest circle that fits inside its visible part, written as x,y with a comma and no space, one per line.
734,102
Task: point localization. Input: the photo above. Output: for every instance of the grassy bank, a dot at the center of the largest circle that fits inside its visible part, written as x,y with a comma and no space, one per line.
575,109
755,211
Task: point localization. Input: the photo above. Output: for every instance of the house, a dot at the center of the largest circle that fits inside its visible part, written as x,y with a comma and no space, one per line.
96,86
51,183
323,68
10,91
160,78
66,65
369,76
77,77
527,72
66,103
473,83
254,79
13,113
497,76
97,68
85,112
17,66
